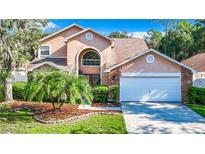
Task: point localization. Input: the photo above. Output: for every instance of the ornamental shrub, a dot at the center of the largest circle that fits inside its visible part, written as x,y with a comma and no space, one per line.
1,92
100,93
59,87
19,90
196,95
114,92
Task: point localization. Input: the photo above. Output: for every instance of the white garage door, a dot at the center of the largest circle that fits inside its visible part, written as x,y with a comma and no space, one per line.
150,89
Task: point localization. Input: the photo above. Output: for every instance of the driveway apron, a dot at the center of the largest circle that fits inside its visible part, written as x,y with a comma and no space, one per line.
161,118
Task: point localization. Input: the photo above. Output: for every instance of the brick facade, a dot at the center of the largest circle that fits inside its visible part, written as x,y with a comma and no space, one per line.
113,77
186,83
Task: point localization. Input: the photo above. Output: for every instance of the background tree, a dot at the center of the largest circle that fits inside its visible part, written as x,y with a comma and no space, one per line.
167,24
19,38
59,88
199,36
153,39
118,35
179,41
182,39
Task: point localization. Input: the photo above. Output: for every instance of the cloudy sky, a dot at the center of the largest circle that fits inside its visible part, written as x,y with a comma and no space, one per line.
135,27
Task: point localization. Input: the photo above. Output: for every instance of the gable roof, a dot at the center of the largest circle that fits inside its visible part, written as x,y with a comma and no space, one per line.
197,62
85,30
145,52
62,30
127,47
59,63
46,63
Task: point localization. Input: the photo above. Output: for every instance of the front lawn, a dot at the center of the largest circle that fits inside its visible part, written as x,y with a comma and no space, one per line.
200,109
21,122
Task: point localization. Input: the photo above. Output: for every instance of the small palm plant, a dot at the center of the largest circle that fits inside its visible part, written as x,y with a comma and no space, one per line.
58,88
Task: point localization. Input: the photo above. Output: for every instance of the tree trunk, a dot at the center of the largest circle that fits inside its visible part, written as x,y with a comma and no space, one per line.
8,89
54,107
61,104
58,108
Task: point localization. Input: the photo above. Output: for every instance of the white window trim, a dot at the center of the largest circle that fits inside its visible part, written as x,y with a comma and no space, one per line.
89,65
101,62
148,60
39,52
87,36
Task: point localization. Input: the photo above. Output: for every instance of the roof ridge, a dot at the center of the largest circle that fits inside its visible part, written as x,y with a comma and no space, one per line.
128,38
62,30
84,30
194,56
145,52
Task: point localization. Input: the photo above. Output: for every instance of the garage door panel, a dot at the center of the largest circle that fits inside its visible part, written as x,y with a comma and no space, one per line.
150,89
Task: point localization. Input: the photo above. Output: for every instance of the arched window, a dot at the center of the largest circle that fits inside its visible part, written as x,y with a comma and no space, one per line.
91,58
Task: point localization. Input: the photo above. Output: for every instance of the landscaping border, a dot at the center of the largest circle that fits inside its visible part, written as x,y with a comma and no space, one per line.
74,118
70,119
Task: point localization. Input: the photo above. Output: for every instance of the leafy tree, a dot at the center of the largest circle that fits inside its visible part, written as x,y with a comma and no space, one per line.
118,35
199,36
59,88
182,38
19,38
153,39
168,24
179,41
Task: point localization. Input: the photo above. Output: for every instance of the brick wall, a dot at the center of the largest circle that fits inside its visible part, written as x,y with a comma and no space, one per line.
186,83
113,77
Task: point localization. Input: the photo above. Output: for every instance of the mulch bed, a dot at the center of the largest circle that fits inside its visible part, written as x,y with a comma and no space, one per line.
114,104
44,111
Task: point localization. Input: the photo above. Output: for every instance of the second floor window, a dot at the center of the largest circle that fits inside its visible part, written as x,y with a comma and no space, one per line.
91,59
44,51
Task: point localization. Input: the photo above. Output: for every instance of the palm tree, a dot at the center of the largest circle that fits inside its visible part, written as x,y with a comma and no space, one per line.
59,88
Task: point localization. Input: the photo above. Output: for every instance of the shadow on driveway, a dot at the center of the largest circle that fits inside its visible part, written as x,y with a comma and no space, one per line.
166,118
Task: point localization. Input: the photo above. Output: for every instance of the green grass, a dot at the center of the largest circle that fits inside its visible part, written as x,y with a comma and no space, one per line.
21,122
200,109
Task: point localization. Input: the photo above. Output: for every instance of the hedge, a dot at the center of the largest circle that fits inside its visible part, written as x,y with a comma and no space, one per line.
1,92
100,93
114,92
19,90
197,95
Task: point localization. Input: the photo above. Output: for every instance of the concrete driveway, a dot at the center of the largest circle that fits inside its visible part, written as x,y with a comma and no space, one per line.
161,118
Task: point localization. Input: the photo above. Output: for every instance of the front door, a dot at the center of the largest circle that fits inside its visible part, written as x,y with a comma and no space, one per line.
94,79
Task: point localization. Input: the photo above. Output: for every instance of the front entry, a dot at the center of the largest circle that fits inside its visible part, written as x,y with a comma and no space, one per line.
90,65
94,79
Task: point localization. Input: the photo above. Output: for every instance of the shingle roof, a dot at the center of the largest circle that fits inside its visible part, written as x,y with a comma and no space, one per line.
61,62
145,52
197,62
125,48
57,61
